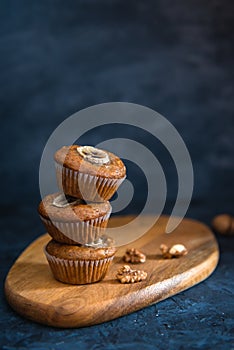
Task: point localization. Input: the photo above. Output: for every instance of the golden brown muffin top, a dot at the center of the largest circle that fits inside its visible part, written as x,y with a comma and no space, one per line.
74,158
75,252
77,210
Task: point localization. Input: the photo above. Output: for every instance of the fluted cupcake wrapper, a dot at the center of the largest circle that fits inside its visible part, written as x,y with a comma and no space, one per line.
88,187
79,232
78,271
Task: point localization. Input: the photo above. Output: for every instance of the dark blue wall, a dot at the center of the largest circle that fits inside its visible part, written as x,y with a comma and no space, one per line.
175,57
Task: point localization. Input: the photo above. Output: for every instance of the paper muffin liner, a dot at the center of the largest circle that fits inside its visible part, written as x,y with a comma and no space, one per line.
88,187
79,232
78,271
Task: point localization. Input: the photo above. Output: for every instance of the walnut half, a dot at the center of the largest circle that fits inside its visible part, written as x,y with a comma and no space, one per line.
134,256
128,275
175,251
224,224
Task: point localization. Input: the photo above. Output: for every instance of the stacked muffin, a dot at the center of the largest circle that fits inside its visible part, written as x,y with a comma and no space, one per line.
76,217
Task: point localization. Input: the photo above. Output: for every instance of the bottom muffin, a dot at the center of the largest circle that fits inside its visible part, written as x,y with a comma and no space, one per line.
78,264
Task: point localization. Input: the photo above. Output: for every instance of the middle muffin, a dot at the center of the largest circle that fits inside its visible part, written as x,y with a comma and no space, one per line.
69,220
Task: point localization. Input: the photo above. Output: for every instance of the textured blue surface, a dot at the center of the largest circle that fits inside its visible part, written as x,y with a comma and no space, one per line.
173,56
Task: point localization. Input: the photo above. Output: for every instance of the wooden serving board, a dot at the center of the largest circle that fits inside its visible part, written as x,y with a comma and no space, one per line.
32,291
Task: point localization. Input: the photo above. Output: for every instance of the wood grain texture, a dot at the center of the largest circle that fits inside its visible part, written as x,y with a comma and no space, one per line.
32,291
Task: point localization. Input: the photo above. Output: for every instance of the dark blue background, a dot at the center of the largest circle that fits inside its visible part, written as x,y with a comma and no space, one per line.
175,57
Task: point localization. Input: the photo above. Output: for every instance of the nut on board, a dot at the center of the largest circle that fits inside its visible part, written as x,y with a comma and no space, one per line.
223,224
134,256
128,275
175,251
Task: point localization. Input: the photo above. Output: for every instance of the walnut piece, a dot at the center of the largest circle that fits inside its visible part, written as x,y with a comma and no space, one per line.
128,275
134,256
175,251
223,224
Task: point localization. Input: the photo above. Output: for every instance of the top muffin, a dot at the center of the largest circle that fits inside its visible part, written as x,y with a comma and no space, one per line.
91,160
88,173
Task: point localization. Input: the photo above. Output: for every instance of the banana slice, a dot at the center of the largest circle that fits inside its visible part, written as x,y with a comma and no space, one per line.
93,155
62,202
